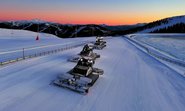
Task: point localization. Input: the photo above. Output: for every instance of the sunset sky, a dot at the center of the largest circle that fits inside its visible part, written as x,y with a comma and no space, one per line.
111,12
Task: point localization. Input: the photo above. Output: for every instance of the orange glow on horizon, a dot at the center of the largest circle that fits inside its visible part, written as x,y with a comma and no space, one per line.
110,12
83,18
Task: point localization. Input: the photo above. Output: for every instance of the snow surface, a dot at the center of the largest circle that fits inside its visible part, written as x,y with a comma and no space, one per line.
12,43
133,81
170,61
173,44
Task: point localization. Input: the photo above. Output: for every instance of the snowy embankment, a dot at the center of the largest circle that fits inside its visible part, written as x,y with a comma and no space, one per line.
172,44
16,44
133,81
158,52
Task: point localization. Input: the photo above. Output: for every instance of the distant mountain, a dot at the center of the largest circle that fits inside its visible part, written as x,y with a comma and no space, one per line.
66,30
124,27
168,25
60,30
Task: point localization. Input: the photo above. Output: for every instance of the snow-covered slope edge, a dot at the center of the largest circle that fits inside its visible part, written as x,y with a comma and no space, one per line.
173,63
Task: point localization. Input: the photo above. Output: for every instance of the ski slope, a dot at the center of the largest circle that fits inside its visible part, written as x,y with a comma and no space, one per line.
133,81
12,43
18,39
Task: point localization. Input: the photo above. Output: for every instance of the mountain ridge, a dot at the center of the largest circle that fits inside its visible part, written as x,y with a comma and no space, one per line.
175,24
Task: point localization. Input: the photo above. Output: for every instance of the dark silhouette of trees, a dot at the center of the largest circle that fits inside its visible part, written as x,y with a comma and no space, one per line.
177,28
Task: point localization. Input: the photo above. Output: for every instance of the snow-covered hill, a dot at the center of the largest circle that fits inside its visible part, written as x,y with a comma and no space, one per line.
12,43
16,39
168,25
164,23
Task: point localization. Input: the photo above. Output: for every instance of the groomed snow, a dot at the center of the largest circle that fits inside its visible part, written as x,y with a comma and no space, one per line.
173,44
18,39
133,81
12,43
